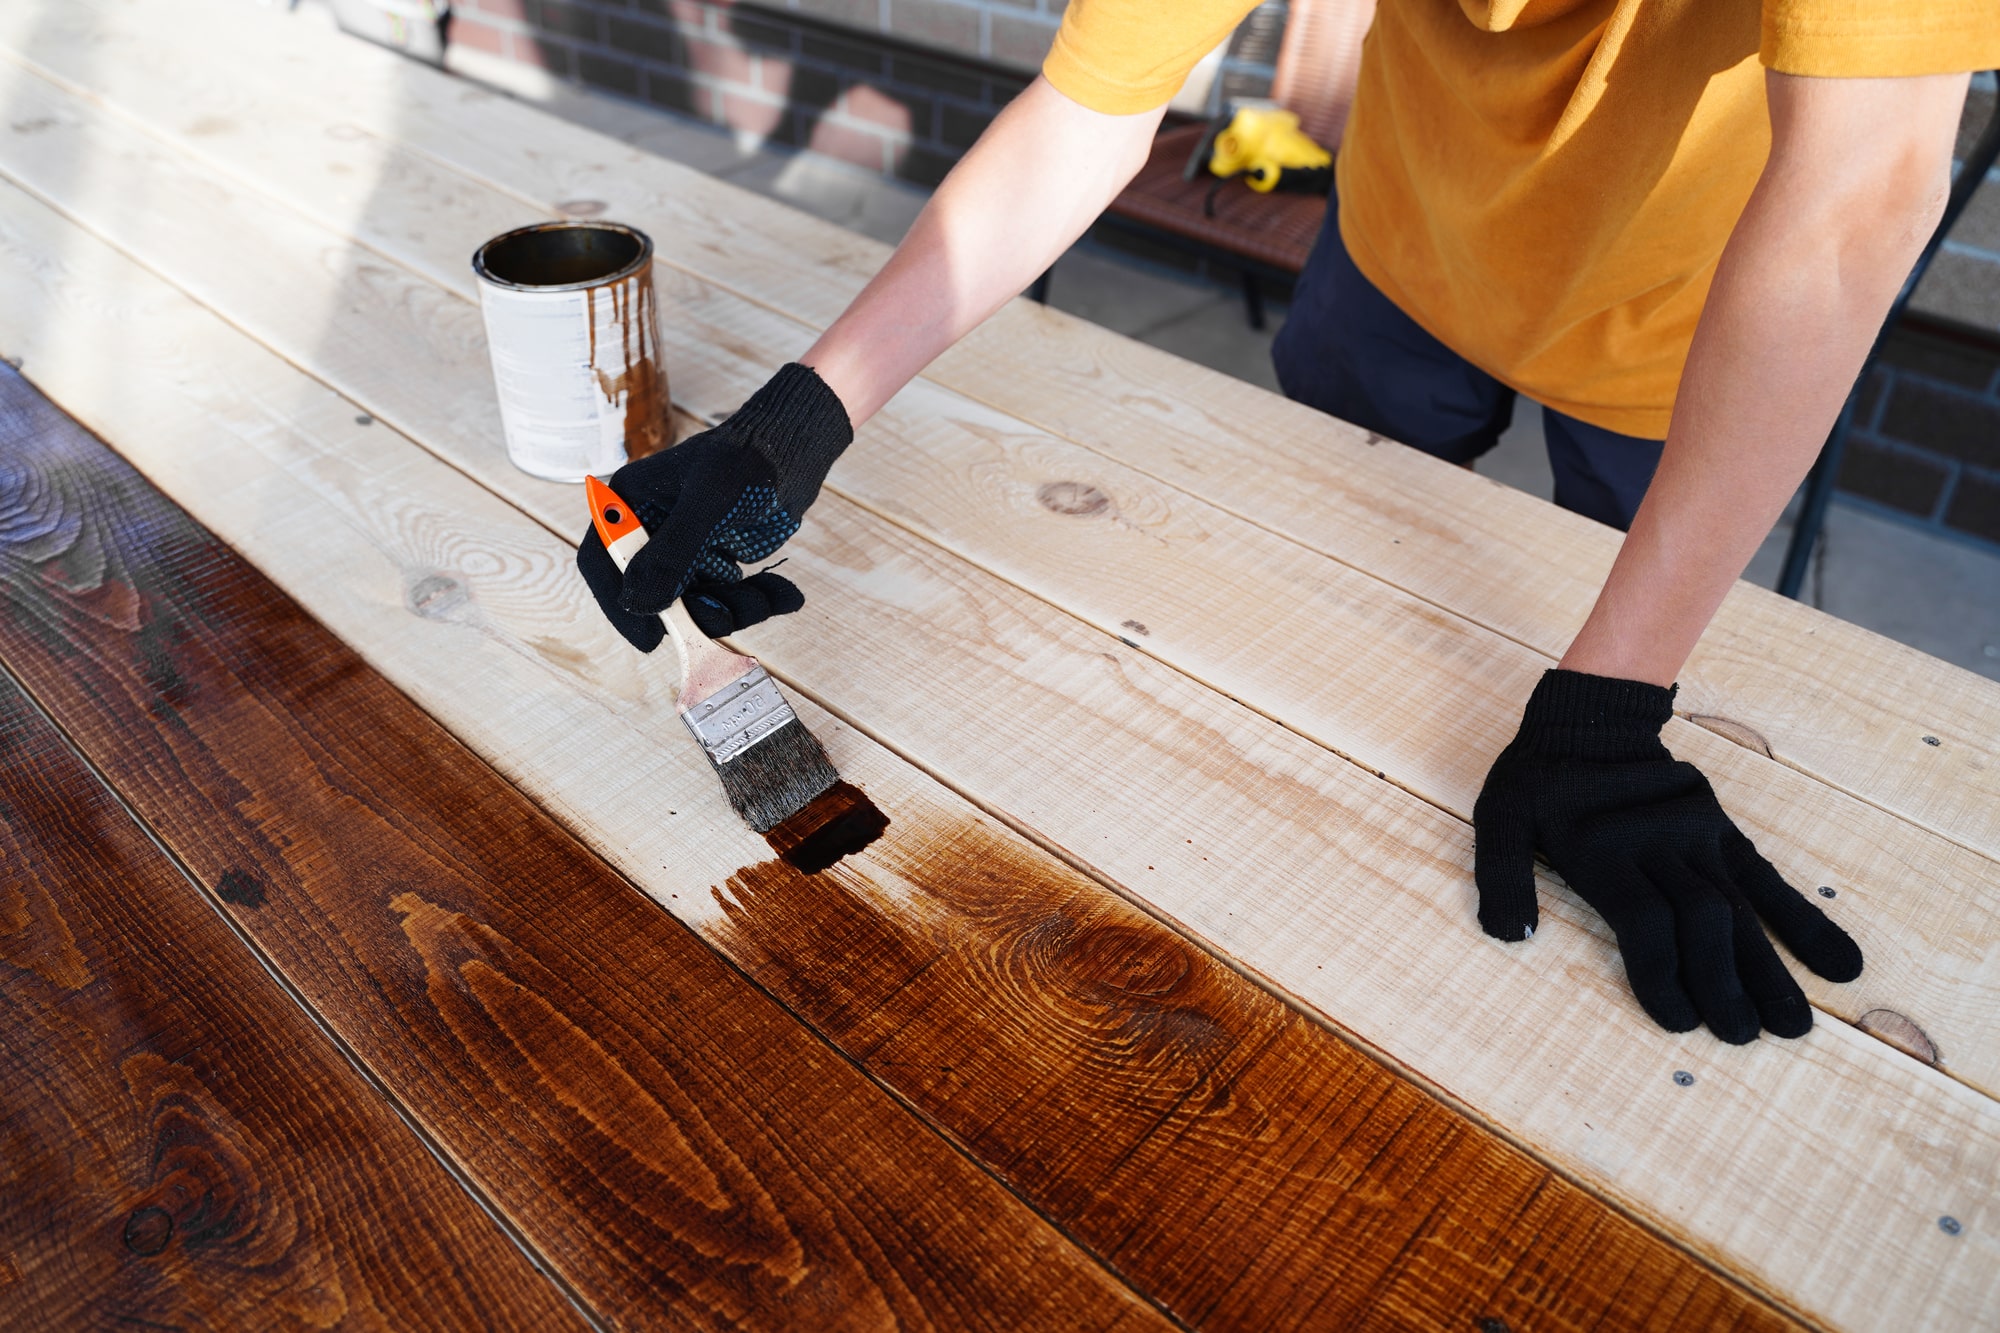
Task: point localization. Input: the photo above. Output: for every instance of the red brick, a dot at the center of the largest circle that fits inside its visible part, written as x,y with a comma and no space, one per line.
743,113
728,63
864,103
506,9
469,31
864,148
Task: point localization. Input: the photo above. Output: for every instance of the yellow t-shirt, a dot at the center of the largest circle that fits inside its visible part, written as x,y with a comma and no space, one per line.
1546,185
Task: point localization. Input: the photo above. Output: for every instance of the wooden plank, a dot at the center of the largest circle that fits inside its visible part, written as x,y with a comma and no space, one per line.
1587,1080
1245,1166
1360,667
184,1148
678,1149
1845,705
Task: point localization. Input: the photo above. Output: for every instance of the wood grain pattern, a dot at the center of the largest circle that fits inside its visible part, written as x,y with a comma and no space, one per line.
1378,675
667,1137
1343,889
183,1147
1247,1167
1505,560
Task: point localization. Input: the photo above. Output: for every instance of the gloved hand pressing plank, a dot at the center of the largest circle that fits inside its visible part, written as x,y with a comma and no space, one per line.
731,494
1641,838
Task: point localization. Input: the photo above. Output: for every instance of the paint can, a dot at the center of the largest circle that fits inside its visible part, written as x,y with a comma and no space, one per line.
574,335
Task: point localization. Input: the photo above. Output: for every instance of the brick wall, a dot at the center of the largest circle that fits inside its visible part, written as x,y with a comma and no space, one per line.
900,87
1926,441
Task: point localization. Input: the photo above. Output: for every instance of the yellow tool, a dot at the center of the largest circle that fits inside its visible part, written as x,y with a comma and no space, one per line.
1264,145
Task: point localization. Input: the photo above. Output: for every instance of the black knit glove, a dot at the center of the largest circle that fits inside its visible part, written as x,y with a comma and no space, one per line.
1641,838
730,494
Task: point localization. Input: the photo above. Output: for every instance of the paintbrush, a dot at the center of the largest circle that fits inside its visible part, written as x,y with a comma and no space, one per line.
772,769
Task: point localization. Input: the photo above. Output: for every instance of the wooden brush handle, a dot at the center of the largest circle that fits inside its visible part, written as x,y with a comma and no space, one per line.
706,666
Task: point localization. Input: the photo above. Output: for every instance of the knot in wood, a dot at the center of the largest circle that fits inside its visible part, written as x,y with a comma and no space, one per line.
1126,963
1073,498
437,596
1900,1032
581,208
147,1230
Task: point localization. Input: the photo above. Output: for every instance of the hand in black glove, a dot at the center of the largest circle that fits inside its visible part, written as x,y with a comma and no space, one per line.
730,494
1641,838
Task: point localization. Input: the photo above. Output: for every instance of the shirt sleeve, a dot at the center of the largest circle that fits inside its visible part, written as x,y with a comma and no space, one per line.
1863,39
1122,57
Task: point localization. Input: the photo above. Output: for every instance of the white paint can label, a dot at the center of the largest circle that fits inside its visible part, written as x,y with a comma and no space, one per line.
573,332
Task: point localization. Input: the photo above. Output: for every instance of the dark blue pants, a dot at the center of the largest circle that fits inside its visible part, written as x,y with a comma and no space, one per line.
1349,350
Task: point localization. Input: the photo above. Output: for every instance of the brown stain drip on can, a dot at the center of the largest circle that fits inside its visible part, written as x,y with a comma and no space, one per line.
638,380
838,822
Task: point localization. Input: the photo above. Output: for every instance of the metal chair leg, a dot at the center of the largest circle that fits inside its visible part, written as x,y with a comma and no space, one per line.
1253,300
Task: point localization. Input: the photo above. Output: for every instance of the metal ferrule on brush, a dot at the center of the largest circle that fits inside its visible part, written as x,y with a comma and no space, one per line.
745,711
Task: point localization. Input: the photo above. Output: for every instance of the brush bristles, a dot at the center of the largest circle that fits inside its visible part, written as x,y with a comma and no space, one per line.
777,777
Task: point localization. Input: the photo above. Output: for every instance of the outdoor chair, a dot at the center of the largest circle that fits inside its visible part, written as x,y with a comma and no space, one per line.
1261,236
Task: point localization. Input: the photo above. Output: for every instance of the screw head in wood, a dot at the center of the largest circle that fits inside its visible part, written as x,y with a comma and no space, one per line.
1932,740
1950,1225
1682,1077
1826,891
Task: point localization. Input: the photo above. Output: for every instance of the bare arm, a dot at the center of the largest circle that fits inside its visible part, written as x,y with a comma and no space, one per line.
1856,181
1036,179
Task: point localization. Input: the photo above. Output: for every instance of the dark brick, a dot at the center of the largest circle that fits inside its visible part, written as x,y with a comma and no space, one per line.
571,20
649,40
851,58
1975,506
1978,112
924,167
765,36
805,85
1871,396
939,76
1899,479
619,76
959,127
1944,420
1956,361
672,91
1004,88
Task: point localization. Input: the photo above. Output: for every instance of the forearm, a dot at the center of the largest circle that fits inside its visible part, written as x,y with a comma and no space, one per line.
1036,179
1803,285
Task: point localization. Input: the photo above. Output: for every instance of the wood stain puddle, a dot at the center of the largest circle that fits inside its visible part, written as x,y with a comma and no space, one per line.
837,823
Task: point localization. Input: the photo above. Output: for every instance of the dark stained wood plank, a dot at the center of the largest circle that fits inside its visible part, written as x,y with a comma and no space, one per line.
680,1151
182,1148
1236,1161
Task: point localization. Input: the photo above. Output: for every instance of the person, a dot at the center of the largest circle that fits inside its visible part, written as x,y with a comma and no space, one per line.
1674,226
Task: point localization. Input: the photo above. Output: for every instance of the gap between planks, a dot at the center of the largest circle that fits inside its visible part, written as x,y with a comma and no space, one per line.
1545,955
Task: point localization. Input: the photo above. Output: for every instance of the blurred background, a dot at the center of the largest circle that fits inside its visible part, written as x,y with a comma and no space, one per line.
854,109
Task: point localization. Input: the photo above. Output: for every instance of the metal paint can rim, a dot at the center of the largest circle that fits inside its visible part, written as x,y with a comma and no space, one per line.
484,272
